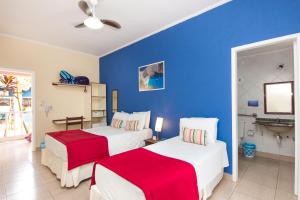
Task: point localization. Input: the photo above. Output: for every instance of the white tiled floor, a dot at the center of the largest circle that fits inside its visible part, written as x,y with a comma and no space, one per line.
259,179
23,177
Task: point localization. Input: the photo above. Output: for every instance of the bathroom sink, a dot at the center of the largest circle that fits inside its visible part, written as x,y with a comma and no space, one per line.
278,128
276,125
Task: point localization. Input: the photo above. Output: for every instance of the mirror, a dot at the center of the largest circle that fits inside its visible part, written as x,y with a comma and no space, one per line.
279,98
114,101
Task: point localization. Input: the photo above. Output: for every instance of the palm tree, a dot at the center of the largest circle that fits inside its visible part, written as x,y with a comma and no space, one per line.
9,83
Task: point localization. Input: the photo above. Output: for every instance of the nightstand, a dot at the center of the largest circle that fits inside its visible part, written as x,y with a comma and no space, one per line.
150,141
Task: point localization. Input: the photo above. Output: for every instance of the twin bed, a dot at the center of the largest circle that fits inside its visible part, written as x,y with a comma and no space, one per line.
208,161
55,154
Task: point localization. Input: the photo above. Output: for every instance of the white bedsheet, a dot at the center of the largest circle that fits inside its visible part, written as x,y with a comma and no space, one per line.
209,162
119,140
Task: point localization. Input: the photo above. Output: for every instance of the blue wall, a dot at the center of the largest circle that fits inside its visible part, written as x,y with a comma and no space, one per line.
197,55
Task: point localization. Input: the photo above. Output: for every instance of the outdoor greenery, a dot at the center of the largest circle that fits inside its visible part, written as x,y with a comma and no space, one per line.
9,83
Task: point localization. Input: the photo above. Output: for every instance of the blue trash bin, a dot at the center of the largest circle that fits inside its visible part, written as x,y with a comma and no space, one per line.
249,150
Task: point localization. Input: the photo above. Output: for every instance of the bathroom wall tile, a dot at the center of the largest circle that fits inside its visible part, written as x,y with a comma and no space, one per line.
254,71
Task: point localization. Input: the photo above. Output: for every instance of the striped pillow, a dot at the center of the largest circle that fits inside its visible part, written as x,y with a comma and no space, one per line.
116,123
196,136
132,125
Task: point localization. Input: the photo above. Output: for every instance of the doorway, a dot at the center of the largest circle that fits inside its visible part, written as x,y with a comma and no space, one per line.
252,103
16,105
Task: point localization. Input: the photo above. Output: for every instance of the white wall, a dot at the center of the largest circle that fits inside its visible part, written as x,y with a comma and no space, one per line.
46,61
253,71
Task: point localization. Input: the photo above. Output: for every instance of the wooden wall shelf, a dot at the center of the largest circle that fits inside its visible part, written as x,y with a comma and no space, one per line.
70,85
63,121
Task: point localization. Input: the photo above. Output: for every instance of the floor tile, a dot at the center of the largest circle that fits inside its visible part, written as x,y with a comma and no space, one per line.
255,190
63,196
31,195
21,186
23,177
214,197
283,195
261,178
239,196
224,189
2,197
2,190
285,185
263,170
54,187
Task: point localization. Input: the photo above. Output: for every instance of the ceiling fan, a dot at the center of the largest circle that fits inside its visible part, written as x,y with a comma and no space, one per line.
93,22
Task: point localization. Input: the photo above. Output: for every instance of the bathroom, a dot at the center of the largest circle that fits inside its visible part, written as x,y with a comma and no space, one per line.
266,118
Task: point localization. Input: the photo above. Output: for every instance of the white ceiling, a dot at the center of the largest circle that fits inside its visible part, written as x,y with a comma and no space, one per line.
52,21
266,49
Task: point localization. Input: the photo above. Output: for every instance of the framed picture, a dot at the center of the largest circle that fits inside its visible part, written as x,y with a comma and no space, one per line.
4,102
152,77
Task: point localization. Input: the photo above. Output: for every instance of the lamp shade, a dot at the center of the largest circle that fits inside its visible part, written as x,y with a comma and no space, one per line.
159,124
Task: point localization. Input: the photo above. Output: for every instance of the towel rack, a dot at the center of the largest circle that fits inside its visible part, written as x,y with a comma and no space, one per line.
248,115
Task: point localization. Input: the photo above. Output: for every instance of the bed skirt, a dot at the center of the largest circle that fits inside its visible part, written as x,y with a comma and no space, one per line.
205,192
59,167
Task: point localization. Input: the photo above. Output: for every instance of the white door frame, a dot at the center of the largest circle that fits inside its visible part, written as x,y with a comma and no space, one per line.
295,38
33,93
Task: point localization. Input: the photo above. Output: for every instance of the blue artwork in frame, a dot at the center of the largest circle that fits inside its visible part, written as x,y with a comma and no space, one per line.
152,77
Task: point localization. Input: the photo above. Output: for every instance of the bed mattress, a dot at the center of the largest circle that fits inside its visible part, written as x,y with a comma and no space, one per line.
119,140
208,161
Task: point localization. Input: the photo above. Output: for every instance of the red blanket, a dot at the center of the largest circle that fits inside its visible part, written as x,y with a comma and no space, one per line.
160,177
82,147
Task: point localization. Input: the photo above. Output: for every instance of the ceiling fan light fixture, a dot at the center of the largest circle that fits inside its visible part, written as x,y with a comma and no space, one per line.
93,23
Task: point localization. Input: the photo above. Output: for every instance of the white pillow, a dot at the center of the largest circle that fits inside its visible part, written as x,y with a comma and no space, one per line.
147,118
121,116
208,124
140,117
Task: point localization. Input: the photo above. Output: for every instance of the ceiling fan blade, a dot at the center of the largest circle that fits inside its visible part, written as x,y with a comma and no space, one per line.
80,25
85,8
111,23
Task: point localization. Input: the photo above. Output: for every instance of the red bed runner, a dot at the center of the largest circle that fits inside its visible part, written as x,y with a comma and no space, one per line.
82,147
160,177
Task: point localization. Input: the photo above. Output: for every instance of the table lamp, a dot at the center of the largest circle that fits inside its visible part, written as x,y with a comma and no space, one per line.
158,125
